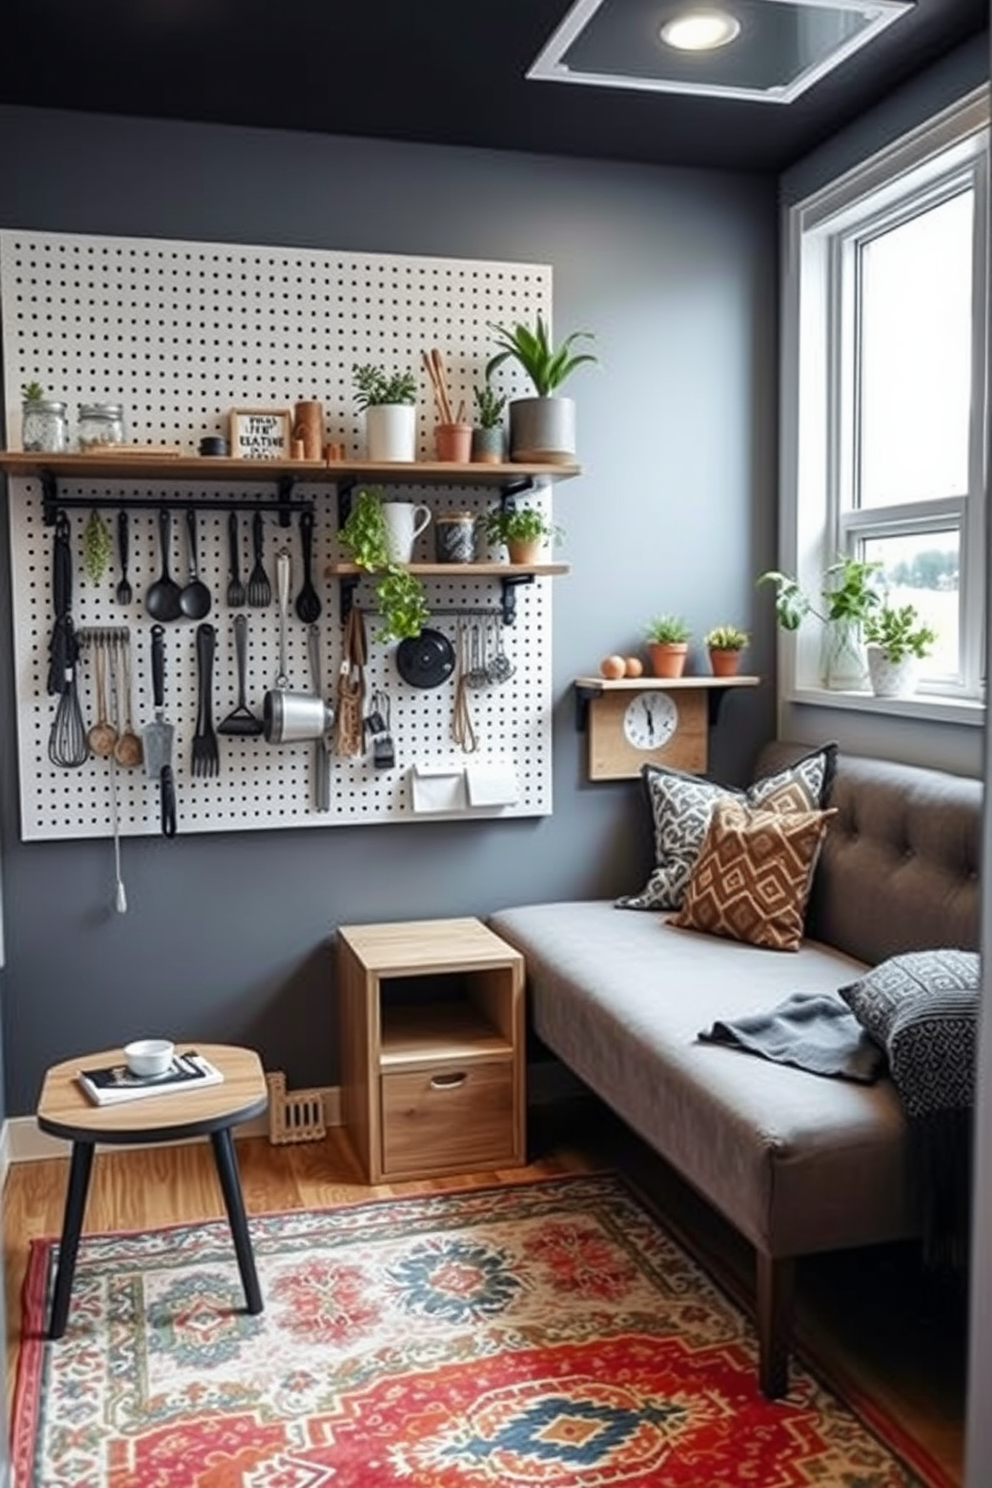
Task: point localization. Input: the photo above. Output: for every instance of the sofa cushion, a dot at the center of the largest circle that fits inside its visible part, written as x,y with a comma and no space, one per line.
681,805
751,879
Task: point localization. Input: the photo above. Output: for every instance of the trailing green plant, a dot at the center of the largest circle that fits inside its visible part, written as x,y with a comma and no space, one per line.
400,595
490,405
97,547
375,386
32,392
900,631
547,366
848,592
520,524
726,638
667,630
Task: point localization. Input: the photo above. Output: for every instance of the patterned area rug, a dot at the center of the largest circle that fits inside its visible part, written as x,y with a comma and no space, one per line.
549,1335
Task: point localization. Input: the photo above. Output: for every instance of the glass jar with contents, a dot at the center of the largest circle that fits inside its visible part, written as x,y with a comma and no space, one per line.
100,424
44,427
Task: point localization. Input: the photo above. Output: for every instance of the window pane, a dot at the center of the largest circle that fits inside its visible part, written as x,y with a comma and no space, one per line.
922,570
915,370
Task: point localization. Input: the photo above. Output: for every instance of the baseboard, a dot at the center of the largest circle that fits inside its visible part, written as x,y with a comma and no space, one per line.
4,1165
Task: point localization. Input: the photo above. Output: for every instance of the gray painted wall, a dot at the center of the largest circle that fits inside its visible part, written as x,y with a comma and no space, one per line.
227,937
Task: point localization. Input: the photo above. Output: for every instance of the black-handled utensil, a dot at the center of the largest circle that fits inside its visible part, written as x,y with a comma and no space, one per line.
162,599
123,592
195,598
206,756
157,738
308,605
259,588
235,589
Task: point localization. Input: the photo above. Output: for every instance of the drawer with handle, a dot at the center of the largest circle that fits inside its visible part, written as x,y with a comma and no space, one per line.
453,1117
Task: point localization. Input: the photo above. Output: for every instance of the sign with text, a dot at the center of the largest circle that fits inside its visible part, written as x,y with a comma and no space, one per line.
260,433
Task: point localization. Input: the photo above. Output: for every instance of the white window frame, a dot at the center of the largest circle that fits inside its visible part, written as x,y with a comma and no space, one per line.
818,518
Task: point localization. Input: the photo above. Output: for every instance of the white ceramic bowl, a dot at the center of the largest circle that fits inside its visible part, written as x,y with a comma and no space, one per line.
148,1057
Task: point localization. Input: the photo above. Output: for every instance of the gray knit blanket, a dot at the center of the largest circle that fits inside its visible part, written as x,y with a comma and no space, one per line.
815,1031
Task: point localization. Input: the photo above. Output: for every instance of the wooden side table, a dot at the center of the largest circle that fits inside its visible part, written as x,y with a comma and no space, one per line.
65,1111
432,1047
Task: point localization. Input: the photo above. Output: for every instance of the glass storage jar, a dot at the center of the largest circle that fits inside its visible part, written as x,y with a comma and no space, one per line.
44,427
100,424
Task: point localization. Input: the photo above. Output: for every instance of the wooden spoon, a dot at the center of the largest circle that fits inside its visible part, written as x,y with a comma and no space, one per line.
128,750
102,736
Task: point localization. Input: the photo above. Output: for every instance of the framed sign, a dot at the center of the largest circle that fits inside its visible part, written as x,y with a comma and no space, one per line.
261,433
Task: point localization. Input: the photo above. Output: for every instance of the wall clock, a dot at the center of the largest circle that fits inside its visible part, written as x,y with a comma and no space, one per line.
632,726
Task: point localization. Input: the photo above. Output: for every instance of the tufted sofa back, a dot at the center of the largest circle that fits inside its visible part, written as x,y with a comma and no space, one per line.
899,870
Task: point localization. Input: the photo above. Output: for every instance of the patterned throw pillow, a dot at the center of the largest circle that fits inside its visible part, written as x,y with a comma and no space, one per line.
681,805
751,879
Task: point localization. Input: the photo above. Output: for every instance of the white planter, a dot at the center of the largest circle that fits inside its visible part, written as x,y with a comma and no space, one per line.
843,663
542,430
391,432
891,678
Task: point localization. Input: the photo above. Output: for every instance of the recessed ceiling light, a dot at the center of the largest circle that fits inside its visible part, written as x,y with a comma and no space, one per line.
700,30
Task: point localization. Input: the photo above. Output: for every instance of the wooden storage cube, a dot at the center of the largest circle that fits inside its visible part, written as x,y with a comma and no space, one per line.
449,1117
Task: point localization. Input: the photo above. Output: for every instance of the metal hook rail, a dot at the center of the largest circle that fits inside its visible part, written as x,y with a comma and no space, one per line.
284,504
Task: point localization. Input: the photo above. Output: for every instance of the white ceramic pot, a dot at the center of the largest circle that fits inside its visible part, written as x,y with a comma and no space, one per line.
843,663
542,430
391,432
891,678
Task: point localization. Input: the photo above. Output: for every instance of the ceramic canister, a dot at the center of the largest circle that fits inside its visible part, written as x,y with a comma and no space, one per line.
454,537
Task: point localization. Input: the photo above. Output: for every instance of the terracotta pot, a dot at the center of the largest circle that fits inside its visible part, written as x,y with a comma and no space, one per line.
453,442
724,663
525,550
668,657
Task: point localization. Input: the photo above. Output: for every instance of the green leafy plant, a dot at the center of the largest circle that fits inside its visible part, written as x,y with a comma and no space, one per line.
519,524
726,638
400,596
900,632
374,386
848,592
667,630
547,366
32,392
97,547
490,405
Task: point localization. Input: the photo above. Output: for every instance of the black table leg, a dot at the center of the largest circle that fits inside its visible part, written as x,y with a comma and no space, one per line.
227,1172
72,1223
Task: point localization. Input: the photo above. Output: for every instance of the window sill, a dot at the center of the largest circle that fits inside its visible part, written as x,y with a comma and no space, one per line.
969,712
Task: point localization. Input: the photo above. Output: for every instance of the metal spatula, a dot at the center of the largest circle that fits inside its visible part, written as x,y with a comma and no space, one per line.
158,737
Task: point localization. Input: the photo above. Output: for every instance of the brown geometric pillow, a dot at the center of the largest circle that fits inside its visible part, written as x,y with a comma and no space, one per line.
752,877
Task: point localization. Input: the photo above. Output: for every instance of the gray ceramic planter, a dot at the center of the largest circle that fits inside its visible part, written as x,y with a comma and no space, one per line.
542,430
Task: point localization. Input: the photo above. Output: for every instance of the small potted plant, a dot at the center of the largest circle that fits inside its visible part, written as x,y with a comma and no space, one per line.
400,596
542,429
668,645
897,640
388,400
43,422
725,644
848,596
523,529
487,435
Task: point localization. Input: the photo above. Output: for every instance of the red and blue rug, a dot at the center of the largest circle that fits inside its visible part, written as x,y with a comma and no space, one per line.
547,1335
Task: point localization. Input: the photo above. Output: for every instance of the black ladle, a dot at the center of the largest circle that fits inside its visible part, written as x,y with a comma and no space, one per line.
194,599
162,599
308,606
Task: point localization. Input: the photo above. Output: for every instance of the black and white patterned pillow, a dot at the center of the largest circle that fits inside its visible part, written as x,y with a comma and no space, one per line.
681,806
922,1008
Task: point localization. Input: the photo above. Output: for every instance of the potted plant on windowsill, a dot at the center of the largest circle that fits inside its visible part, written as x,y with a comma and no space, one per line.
400,596
388,400
725,644
542,428
896,641
524,530
848,595
668,645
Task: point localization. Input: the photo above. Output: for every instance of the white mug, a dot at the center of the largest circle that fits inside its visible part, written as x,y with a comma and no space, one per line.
405,520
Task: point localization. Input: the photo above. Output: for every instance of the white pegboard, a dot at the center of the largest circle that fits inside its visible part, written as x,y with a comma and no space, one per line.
181,333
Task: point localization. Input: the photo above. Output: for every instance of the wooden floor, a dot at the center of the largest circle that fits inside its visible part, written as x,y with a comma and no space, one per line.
871,1316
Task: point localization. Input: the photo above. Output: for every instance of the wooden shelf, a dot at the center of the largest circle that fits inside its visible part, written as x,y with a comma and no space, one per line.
456,570
416,1037
594,685
207,468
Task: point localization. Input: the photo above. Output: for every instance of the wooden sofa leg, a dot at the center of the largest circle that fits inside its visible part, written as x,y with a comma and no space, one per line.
776,1277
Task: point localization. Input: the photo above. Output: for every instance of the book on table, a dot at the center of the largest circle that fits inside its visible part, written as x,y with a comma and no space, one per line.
115,1082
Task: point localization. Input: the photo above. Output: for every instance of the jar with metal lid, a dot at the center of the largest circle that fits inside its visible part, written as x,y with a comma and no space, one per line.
100,424
44,426
454,537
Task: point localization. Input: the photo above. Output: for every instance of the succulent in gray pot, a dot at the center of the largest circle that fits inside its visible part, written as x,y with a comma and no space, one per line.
488,435
542,428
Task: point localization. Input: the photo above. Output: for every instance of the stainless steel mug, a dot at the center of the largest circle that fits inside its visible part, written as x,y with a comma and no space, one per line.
290,717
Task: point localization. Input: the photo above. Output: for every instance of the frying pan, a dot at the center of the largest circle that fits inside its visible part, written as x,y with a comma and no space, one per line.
426,660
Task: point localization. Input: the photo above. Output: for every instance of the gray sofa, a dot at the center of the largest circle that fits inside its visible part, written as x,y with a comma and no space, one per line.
797,1162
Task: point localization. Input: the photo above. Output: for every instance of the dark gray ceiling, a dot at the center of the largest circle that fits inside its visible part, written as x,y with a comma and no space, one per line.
447,71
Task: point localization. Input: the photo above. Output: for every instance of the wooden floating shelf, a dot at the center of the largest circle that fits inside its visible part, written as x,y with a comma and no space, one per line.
455,570
591,685
206,467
